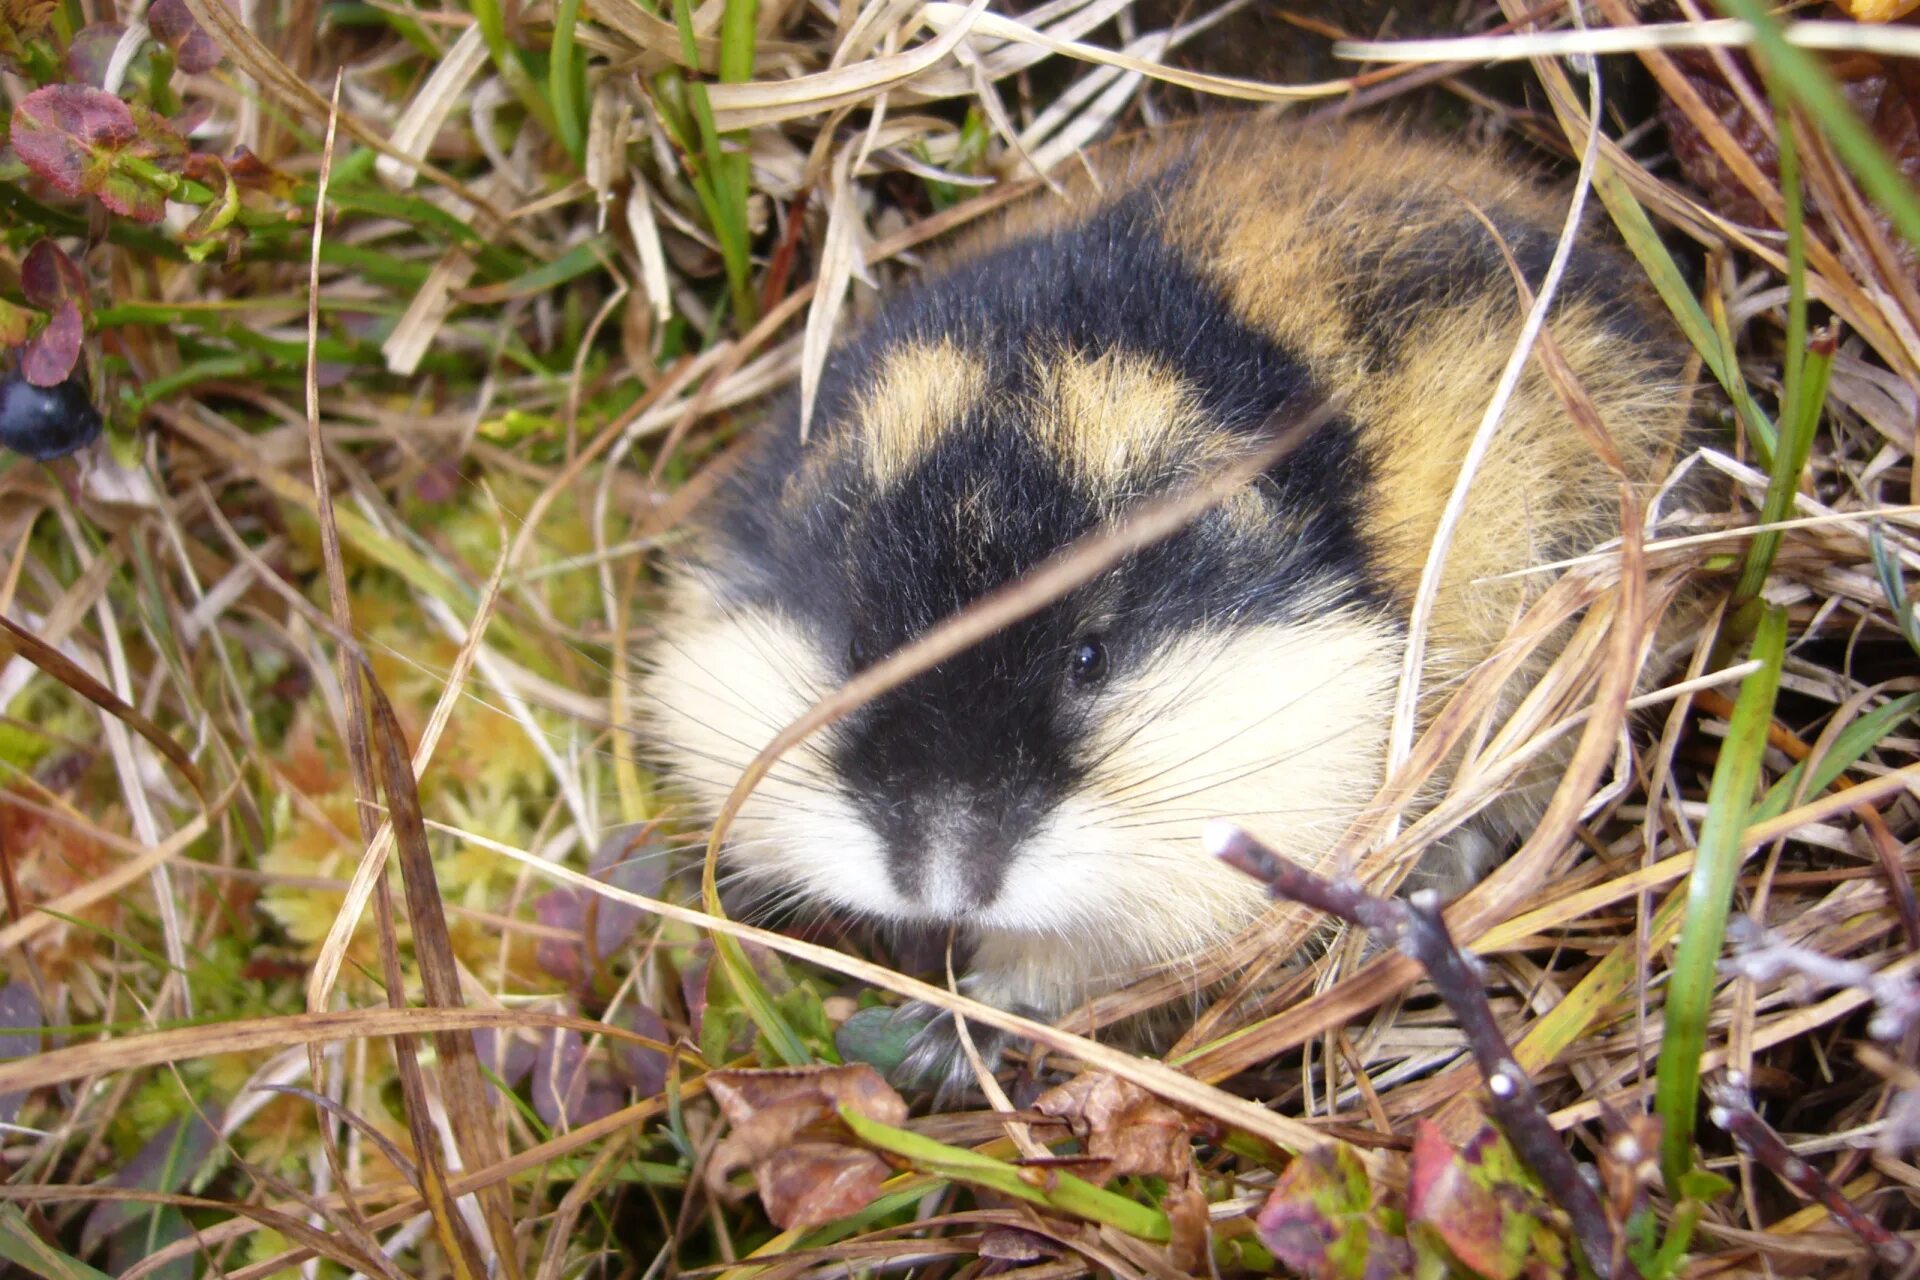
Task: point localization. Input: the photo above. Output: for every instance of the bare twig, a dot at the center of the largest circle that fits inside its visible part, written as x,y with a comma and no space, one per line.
1417,928
1733,1111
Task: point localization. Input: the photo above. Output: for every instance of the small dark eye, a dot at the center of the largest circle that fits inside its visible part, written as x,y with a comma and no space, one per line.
1088,664
857,653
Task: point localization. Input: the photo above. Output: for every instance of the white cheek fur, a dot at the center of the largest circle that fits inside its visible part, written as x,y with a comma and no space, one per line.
723,683
1280,728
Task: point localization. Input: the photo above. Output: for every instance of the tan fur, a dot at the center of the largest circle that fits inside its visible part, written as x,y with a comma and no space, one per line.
916,395
1116,418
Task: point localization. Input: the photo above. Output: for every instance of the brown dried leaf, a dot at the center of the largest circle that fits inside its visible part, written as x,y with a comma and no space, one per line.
1122,1125
1885,93
787,1129
255,174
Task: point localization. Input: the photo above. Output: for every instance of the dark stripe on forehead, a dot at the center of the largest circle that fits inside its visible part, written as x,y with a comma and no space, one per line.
1110,282
984,500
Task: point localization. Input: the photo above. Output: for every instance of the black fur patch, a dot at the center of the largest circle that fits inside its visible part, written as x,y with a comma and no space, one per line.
1456,259
979,749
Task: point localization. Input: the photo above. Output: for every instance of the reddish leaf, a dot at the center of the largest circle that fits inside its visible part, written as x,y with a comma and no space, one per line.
156,143
1479,1206
629,858
20,1020
173,25
560,957
787,1129
82,140
48,277
191,116
91,52
644,1068
1322,1220
567,1092
68,134
55,350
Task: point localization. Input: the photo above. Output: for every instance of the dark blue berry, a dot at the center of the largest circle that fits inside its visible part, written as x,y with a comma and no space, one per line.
46,422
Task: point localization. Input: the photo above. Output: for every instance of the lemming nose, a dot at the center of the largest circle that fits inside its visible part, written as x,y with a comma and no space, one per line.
958,860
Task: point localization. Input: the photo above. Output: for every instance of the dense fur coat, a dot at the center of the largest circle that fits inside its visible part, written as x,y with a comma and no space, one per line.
1046,790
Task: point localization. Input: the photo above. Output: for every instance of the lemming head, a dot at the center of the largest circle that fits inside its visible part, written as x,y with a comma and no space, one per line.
1051,780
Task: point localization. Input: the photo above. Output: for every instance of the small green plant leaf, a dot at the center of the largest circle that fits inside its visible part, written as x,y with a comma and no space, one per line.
878,1037
1730,797
218,214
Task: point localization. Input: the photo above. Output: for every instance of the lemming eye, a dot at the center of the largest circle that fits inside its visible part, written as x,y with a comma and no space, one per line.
1088,664
857,654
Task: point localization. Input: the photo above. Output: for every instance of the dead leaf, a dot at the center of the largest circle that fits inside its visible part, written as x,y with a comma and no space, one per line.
787,1129
1128,1129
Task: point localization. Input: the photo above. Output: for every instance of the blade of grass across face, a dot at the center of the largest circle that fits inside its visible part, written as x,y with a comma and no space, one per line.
566,81
1709,895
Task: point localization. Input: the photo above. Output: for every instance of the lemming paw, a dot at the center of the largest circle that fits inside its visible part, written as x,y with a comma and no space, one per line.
937,1060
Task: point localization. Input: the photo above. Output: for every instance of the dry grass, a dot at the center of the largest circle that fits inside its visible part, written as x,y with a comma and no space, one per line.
347,597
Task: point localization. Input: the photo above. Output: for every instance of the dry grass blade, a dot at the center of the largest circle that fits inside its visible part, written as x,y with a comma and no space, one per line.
77,678
181,1044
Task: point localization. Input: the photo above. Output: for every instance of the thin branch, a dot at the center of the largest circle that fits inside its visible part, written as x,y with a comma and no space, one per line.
1417,928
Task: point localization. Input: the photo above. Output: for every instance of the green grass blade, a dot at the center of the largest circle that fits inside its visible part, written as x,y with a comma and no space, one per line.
1057,1190
1644,242
1852,742
567,81
1803,386
1709,896
1886,567
20,1245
